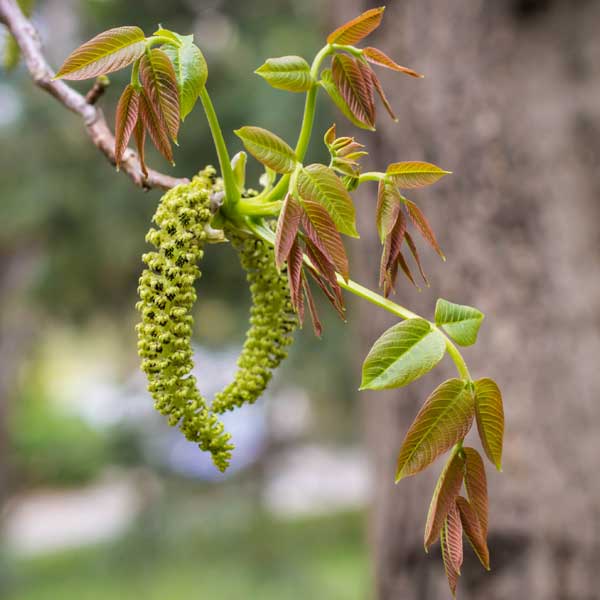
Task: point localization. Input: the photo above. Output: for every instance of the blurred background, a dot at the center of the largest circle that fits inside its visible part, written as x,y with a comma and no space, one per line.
99,498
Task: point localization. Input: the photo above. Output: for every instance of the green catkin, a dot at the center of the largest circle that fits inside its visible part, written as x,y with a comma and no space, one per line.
167,294
272,322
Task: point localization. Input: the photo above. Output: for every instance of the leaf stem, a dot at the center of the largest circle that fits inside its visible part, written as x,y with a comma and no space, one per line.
308,120
374,298
371,176
232,194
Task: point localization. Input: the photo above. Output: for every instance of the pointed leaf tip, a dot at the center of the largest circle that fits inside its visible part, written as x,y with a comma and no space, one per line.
358,28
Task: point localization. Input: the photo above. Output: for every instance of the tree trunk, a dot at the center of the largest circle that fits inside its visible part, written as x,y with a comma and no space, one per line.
510,103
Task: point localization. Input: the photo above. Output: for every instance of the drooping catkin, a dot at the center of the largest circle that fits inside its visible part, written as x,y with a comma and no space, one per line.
272,322
166,291
167,294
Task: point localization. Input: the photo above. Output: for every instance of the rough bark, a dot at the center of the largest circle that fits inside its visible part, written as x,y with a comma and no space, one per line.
510,104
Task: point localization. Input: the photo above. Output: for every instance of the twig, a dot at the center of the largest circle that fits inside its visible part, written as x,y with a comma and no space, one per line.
97,90
28,40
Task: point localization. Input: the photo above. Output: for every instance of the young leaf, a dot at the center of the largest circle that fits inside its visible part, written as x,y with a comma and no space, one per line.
490,419
158,78
320,184
405,352
140,141
287,229
330,137
125,120
460,322
389,203
446,491
451,572
330,87
355,87
268,149
415,174
322,232
377,57
294,264
386,102
291,73
444,419
155,126
312,309
107,52
476,486
190,70
358,28
413,250
238,166
422,224
452,548
472,529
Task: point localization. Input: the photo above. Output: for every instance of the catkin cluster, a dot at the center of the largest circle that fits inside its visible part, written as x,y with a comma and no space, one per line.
272,321
167,294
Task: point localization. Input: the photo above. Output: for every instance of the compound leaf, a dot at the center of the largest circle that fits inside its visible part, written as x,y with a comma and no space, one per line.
358,28
290,73
268,148
444,419
490,419
445,493
461,322
109,51
158,78
330,87
320,184
355,85
405,352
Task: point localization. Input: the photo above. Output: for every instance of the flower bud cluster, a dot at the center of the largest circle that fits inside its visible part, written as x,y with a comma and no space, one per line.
272,322
166,291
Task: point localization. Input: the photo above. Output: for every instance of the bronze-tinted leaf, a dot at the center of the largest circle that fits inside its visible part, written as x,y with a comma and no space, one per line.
160,82
422,224
446,491
107,52
448,557
383,97
355,87
444,419
140,141
490,418
312,309
268,148
389,203
155,126
377,57
322,231
476,486
413,250
287,229
125,119
294,264
413,174
472,529
454,537
358,28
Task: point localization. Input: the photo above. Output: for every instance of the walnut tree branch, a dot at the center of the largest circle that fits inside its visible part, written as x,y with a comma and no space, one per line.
28,40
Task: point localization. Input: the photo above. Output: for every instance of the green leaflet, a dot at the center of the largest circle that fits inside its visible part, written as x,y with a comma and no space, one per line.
490,419
414,174
290,73
268,148
318,183
190,69
460,322
444,419
329,86
405,352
